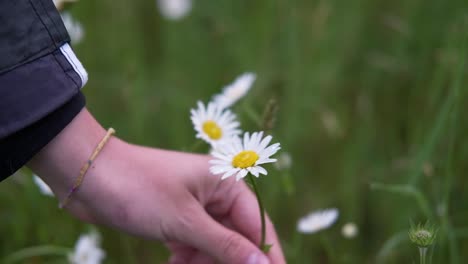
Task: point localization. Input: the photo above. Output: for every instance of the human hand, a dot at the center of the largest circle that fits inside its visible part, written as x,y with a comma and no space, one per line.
157,194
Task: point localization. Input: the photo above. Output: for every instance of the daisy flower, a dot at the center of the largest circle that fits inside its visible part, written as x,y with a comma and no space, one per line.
317,221
74,28
235,91
43,187
174,9
214,124
284,161
349,230
87,250
237,157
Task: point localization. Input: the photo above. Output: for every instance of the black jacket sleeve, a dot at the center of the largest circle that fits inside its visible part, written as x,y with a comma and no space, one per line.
40,80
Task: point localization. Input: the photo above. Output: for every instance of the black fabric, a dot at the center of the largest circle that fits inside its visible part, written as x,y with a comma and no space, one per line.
29,29
39,88
30,92
17,149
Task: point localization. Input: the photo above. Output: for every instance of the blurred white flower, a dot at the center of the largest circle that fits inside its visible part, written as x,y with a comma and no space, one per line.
59,4
317,221
284,161
74,28
349,230
235,91
43,187
214,124
331,124
174,9
87,250
238,158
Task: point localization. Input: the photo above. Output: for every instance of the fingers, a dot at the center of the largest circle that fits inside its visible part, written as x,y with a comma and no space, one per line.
245,217
201,258
199,230
182,254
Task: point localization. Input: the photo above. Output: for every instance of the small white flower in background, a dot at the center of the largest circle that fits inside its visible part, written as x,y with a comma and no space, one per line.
349,230
74,28
239,158
236,90
331,124
87,250
317,221
284,161
43,187
174,9
214,124
60,4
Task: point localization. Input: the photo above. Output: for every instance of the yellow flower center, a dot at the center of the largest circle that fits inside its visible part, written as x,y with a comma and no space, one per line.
245,159
212,130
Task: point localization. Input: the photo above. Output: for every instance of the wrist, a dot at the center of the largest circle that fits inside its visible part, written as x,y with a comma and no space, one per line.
60,161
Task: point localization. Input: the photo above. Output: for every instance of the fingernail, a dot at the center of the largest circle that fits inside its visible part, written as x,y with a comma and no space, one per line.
257,259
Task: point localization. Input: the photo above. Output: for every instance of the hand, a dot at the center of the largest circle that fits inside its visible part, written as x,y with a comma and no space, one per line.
157,194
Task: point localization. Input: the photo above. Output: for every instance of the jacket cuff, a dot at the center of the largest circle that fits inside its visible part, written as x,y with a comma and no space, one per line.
17,149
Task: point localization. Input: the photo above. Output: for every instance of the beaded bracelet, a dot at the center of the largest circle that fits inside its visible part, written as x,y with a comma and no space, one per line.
85,168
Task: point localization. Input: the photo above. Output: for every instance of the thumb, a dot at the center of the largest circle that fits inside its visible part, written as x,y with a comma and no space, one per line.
205,234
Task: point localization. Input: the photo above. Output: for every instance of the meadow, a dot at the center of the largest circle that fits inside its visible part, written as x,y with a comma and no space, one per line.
371,100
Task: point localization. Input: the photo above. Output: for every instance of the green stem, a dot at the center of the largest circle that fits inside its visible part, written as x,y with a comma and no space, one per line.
297,247
196,145
422,255
328,248
36,251
263,247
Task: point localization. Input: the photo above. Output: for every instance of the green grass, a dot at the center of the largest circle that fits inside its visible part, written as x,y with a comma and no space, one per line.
392,73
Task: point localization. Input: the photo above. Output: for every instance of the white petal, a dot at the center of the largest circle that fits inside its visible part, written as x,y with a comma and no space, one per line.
265,142
242,173
246,140
263,161
43,187
254,171
318,220
220,156
218,162
218,169
261,170
229,173
271,150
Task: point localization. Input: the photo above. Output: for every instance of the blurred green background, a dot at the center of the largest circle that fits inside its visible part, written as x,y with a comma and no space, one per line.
372,103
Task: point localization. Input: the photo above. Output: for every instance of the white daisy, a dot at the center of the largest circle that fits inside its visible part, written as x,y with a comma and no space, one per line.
174,9
284,161
236,90
60,4
74,28
214,124
239,158
349,230
43,187
87,250
317,221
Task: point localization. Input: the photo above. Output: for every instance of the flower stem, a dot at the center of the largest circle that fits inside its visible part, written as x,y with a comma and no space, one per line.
195,146
46,250
265,248
422,255
328,248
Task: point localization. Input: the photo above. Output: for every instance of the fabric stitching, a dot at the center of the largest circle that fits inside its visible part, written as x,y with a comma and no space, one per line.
53,26
42,22
65,71
70,61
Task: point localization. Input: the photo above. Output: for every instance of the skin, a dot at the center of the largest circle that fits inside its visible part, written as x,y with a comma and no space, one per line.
157,194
